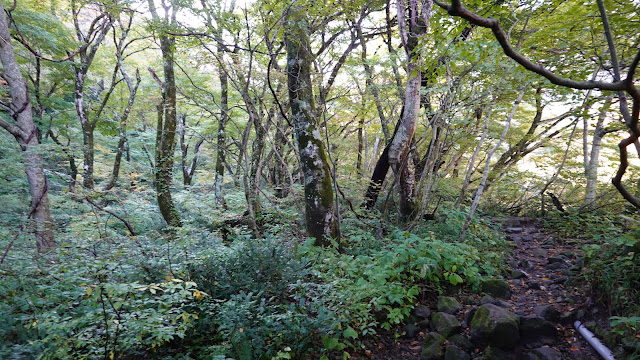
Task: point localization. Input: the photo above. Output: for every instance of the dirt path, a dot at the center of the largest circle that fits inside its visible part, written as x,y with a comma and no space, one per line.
542,285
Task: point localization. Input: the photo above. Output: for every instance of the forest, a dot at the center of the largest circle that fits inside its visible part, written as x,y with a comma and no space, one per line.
299,179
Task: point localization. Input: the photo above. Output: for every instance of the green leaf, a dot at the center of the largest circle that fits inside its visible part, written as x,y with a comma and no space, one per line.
349,332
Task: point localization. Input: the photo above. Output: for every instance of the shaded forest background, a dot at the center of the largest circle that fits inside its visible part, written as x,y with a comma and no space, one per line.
285,179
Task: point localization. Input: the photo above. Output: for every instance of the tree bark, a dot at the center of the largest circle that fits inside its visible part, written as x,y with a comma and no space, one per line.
24,131
411,29
320,217
166,131
591,167
90,45
188,166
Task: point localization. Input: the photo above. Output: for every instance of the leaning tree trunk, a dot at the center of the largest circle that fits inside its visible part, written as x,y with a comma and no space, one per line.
24,131
320,217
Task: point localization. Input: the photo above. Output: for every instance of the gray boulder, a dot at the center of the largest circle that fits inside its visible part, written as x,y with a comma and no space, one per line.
496,326
536,332
433,346
445,324
498,288
448,305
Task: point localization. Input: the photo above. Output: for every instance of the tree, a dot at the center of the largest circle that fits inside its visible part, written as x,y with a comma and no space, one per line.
90,41
24,130
624,88
318,189
167,115
411,29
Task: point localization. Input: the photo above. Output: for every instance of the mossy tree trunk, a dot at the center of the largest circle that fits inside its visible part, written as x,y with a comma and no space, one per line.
23,129
320,217
167,119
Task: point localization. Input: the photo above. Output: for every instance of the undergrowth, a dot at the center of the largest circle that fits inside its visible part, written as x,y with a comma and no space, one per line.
186,293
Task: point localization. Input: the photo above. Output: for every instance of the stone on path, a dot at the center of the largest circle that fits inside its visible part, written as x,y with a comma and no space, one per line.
543,353
445,324
496,326
433,346
536,332
448,305
498,288
454,353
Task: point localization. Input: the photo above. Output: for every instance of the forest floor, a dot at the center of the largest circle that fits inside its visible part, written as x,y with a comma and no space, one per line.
547,269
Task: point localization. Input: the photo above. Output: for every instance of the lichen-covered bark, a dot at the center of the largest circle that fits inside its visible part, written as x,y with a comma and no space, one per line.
399,160
591,167
166,142
167,119
320,217
24,131
222,125
411,28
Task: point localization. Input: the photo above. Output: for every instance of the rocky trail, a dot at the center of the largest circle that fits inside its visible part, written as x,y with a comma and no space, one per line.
528,316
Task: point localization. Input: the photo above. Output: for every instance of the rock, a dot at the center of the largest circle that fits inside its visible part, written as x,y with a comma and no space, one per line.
560,280
497,287
448,305
421,312
411,330
555,259
461,341
495,325
518,274
433,346
536,332
454,353
543,353
557,266
540,253
527,238
534,285
487,299
547,312
493,353
513,230
515,237
525,264
445,324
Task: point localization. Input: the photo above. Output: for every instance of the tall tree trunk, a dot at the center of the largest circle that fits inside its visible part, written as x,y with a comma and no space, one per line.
320,217
24,131
90,43
122,142
165,139
222,124
591,167
411,29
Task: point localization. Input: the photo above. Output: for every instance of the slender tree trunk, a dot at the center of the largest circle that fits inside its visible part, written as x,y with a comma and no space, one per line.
188,166
24,131
319,202
116,163
485,173
222,125
591,170
122,142
280,169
